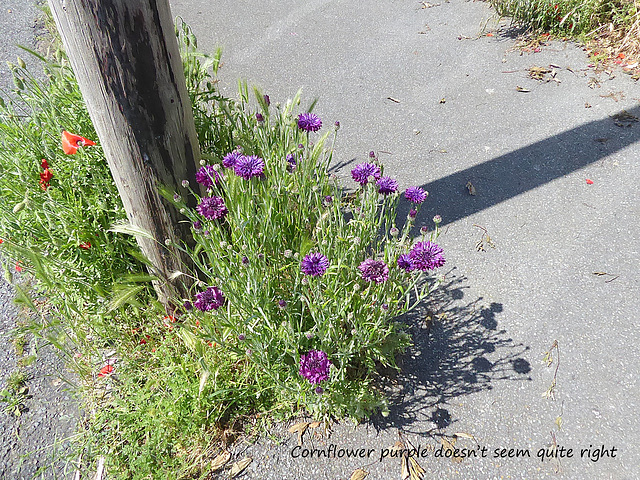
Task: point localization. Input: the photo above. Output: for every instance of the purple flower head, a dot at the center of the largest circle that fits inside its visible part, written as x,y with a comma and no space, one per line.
188,305
245,260
426,256
207,176
319,390
385,306
405,263
394,231
424,230
267,100
437,219
387,185
259,117
212,208
291,162
314,366
363,171
230,159
415,194
328,200
282,304
211,299
241,337
374,270
249,167
337,125
314,264
412,213
197,225
309,122
372,154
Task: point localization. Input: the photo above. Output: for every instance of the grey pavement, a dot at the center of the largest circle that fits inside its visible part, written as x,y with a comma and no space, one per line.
478,369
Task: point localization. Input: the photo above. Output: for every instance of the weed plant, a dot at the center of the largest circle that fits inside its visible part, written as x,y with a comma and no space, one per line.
296,287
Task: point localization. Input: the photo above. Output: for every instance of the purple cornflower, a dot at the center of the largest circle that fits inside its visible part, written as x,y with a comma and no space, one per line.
415,194
197,225
291,162
387,185
211,299
314,366
405,263
207,176
314,264
374,270
412,213
249,167
426,256
309,122
212,208
230,159
363,171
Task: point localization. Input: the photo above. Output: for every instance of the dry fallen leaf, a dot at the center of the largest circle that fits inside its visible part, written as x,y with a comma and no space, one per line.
239,467
358,474
315,424
415,470
219,462
522,89
299,428
471,188
449,446
405,474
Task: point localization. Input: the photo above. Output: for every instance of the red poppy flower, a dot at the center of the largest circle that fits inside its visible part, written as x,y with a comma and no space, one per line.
45,178
44,164
106,370
1,241
18,267
589,181
85,245
71,142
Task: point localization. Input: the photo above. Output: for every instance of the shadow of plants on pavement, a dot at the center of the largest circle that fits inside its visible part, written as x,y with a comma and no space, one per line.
458,350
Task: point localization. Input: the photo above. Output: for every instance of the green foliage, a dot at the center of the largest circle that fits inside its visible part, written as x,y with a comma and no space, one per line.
574,18
162,388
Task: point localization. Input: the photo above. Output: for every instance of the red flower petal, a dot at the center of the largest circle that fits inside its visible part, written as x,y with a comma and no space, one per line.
589,181
44,164
71,142
18,267
106,370
85,245
1,241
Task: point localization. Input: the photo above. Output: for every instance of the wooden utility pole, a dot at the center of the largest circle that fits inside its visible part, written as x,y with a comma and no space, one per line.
126,59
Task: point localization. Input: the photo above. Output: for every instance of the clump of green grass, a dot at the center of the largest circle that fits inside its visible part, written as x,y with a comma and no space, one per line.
573,18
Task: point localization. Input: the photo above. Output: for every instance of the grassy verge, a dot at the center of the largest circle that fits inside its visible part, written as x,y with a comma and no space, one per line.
296,287
611,28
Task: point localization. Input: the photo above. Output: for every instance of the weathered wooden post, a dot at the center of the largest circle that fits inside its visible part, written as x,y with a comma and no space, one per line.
126,58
